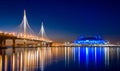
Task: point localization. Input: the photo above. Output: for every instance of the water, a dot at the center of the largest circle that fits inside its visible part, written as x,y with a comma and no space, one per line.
60,59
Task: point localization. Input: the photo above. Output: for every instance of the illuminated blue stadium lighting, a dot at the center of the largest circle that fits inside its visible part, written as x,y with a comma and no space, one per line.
90,40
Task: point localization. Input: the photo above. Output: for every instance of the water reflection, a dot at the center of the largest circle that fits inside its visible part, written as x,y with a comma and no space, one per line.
118,51
0,63
106,56
35,59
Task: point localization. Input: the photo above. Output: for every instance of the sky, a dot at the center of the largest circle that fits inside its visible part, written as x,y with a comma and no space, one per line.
64,20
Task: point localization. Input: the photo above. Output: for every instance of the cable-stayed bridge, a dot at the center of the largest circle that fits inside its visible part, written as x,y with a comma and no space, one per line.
24,32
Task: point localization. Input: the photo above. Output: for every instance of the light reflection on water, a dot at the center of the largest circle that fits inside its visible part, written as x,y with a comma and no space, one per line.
66,58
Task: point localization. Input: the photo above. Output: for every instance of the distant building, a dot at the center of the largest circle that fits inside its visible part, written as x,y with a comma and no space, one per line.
90,40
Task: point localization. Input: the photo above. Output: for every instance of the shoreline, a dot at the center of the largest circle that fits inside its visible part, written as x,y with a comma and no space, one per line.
57,46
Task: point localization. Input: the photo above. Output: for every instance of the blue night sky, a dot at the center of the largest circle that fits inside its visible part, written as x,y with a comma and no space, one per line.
64,19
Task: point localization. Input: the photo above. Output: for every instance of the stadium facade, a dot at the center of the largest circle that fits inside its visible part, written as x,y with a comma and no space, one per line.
97,40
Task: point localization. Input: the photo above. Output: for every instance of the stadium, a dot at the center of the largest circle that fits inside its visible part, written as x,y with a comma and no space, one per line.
97,40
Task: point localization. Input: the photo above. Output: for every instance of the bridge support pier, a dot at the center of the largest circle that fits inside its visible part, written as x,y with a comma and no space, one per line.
2,42
24,43
50,44
13,43
45,44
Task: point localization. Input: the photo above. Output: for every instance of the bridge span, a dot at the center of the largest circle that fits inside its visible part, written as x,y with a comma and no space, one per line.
25,33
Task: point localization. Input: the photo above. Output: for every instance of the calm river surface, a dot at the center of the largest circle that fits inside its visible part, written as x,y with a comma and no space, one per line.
60,59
